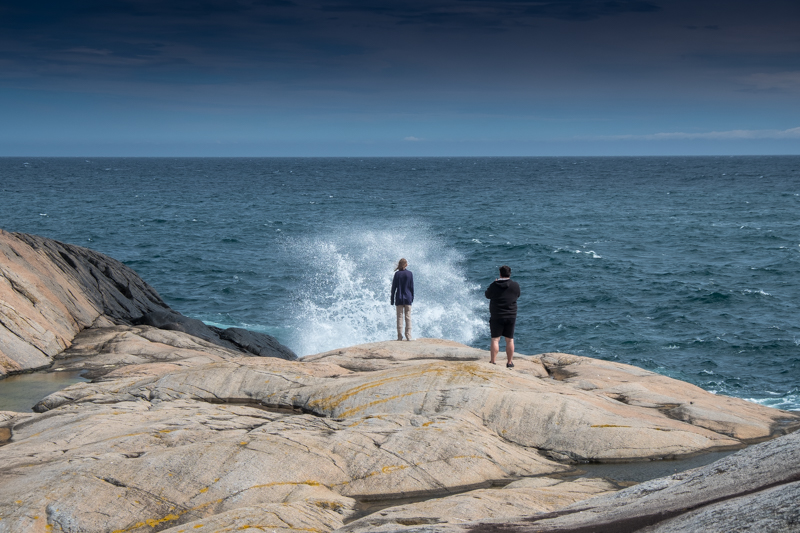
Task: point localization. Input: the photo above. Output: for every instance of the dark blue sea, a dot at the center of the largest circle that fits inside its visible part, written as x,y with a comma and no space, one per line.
689,267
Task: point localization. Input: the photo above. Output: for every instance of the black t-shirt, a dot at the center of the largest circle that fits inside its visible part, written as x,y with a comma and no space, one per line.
503,296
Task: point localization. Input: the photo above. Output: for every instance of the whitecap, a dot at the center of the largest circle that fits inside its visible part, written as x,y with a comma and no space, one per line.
758,291
789,402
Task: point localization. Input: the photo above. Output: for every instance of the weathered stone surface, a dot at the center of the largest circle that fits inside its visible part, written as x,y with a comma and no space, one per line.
514,501
678,400
775,510
752,490
564,421
162,440
383,355
42,305
183,367
51,291
124,466
99,350
236,339
170,320
259,344
559,415
305,516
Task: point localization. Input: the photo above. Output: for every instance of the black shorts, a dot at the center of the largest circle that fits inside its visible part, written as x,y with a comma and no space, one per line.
502,327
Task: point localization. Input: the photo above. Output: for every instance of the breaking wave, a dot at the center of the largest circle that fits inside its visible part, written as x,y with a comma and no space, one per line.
346,277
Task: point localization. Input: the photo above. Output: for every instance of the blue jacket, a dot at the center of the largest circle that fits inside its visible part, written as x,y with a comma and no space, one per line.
403,288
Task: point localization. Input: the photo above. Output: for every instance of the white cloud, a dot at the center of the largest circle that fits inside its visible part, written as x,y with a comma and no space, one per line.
411,138
793,133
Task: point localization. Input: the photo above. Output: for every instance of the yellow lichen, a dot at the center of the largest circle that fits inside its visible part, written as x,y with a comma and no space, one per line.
608,426
278,483
152,522
169,518
331,402
354,410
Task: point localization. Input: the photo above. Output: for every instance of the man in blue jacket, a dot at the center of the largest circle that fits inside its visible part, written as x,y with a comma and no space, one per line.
402,297
503,294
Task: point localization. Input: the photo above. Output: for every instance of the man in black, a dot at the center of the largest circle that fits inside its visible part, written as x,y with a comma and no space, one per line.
503,294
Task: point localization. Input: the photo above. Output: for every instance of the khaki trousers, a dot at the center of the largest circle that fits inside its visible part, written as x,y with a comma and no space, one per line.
403,309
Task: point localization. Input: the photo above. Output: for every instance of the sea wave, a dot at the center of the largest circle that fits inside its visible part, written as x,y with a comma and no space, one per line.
346,275
789,402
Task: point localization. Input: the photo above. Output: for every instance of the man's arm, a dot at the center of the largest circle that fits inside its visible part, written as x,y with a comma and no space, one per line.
490,292
394,288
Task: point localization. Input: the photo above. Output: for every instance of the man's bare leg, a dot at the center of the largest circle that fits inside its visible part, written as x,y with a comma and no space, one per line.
494,349
509,349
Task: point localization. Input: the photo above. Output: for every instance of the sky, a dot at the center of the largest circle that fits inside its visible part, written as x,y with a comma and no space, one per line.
399,78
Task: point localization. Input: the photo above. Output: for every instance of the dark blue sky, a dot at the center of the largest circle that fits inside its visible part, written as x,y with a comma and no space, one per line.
408,77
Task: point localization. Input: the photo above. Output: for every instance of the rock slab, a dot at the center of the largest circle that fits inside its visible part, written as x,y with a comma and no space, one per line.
51,291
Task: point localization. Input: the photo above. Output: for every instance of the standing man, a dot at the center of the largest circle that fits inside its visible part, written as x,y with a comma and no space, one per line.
402,297
503,294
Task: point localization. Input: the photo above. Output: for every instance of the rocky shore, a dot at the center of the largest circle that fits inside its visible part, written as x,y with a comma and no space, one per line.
189,428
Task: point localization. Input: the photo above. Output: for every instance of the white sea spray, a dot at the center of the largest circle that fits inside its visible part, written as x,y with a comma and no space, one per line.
346,274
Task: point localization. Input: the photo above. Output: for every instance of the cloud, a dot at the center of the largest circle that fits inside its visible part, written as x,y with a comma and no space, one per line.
412,139
489,14
792,133
587,10
780,81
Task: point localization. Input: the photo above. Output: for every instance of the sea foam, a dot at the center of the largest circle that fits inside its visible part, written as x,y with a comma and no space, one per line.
343,297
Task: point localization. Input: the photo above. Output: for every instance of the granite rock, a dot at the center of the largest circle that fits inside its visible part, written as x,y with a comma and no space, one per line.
517,500
176,432
752,490
130,465
51,291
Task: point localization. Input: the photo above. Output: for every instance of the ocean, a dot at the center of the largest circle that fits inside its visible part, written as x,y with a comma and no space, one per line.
689,267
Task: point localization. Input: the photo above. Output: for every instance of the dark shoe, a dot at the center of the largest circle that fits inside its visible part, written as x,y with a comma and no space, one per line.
509,365
492,363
